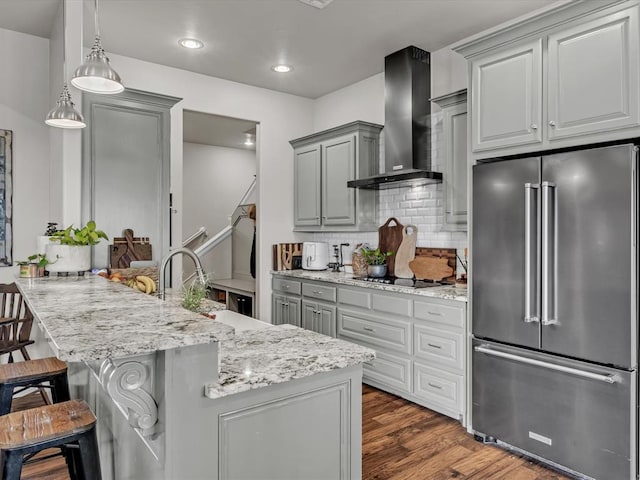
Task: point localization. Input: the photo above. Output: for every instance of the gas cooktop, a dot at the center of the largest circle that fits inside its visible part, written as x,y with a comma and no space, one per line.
403,282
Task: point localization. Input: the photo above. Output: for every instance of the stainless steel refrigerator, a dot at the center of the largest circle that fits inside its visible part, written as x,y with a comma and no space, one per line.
554,308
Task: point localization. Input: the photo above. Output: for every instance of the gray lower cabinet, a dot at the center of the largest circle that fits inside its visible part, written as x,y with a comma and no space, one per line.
420,345
323,164
285,303
420,342
319,317
286,309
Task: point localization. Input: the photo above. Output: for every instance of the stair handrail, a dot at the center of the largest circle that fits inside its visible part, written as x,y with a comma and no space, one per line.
201,231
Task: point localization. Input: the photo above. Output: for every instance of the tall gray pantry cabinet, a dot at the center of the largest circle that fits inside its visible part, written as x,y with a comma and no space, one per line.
323,164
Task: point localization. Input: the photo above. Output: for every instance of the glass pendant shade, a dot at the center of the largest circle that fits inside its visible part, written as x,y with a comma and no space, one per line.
64,114
95,75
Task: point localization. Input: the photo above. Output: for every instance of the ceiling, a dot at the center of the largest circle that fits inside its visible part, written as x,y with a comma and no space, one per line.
329,48
217,130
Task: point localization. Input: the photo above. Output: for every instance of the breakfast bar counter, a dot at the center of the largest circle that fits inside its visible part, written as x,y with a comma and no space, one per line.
182,396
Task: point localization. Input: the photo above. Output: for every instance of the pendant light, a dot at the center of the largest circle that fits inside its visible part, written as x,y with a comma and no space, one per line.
64,114
95,75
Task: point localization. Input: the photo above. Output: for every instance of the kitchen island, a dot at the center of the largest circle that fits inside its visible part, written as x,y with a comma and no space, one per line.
180,396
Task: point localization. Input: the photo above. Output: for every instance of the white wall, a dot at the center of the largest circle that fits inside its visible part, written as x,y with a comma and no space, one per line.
281,117
215,178
24,103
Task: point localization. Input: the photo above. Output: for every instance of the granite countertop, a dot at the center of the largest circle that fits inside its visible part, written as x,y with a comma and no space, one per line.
278,354
448,292
89,318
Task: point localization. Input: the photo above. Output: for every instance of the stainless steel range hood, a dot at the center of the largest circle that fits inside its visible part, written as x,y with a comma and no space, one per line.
407,132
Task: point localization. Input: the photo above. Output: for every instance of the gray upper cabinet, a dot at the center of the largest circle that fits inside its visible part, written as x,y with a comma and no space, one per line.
307,186
454,119
323,164
507,97
583,99
566,77
338,167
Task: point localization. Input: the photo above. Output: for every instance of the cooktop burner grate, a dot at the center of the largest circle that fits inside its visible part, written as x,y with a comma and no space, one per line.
403,282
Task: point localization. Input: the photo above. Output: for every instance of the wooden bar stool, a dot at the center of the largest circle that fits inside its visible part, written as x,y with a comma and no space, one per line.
33,373
67,425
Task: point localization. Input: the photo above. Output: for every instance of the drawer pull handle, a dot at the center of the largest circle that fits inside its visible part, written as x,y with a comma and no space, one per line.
435,314
317,292
285,304
433,385
369,329
434,346
286,287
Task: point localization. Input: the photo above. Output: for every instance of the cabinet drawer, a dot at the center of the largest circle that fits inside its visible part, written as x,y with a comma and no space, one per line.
357,298
393,334
390,370
319,291
435,386
288,286
439,346
445,314
389,304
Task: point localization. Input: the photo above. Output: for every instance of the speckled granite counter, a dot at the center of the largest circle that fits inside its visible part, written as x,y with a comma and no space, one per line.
278,354
89,318
447,293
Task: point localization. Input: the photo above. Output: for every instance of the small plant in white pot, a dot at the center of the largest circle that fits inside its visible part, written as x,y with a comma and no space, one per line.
72,248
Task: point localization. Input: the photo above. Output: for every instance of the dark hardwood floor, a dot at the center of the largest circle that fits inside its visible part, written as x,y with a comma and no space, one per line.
401,441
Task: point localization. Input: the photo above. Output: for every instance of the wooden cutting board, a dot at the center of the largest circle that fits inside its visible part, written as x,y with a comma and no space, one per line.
406,252
389,239
430,268
128,248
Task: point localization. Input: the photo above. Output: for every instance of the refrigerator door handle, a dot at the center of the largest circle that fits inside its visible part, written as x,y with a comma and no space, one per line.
530,253
548,255
550,366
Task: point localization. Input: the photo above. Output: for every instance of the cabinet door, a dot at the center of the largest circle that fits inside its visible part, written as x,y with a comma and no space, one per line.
455,137
308,315
338,167
292,310
306,186
319,318
285,310
326,320
593,76
507,97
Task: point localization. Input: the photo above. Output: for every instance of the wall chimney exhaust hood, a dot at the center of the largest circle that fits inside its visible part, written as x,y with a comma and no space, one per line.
407,130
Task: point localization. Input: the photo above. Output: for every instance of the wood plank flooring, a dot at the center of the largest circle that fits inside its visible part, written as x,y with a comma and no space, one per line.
401,441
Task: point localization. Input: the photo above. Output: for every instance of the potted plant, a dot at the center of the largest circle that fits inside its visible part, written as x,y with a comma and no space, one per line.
71,247
193,295
376,261
34,266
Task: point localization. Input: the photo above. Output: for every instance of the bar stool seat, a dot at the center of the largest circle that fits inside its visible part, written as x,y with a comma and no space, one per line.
33,373
68,425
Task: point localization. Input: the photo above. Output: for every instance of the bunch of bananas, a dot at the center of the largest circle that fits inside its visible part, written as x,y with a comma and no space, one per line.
143,284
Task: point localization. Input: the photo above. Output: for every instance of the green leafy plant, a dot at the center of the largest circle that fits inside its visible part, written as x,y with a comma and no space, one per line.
193,295
40,259
87,235
375,257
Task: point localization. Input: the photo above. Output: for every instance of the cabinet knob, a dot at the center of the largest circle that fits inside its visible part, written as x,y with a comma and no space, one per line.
552,123
533,126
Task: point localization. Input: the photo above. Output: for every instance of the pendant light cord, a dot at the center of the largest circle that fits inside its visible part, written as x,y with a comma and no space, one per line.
95,18
64,43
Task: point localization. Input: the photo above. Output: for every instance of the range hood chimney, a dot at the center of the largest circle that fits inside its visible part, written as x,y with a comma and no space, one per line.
407,130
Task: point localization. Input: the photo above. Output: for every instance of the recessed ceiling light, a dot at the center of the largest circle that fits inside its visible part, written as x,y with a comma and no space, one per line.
192,43
249,140
282,68
317,3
